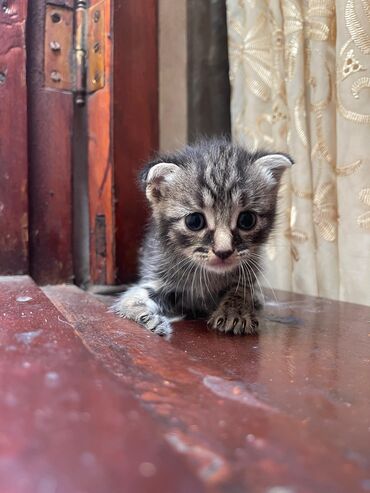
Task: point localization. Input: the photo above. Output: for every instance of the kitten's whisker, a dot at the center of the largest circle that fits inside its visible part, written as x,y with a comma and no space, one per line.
264,277
181,286
174,277
258,284
192,277
179,267
166,271
237,287
250,279
189,271
192,285
252,284
168,268
178,287
201,282
208,281
244,282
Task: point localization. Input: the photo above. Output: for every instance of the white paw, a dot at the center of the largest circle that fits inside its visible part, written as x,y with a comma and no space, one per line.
231,320
155,323
145,313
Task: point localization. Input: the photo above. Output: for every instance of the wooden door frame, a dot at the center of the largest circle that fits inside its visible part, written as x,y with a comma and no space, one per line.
13,141
107,142
136,121
50,123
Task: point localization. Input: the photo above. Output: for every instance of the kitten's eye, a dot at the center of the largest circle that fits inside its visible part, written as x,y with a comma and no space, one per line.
247,220
195,221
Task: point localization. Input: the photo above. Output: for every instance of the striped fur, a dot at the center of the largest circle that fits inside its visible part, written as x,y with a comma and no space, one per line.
180,275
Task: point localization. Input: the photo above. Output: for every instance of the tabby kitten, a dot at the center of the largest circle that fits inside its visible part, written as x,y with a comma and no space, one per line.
213,208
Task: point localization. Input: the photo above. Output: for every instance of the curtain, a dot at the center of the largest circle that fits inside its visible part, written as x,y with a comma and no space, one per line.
300,78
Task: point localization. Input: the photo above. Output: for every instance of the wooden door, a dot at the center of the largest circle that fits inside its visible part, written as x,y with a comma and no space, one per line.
13,140
69,153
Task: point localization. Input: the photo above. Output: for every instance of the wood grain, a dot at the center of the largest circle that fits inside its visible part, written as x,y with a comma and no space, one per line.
67,424
287,411
50,164
13,140
136,127
100,173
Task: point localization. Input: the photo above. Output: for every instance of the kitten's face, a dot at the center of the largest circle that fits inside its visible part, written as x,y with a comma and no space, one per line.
215,205
218,239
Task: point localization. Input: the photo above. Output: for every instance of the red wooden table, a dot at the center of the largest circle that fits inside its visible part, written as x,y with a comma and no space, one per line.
93,403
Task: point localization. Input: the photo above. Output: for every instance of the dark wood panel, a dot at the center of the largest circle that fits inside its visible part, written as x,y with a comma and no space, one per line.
286,411
50,156
67,424
13,139
62,3
208,69
100,180
136,133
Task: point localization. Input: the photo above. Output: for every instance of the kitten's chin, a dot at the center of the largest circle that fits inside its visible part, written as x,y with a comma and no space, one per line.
221,266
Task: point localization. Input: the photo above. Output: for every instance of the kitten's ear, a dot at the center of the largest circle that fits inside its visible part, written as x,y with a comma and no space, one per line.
157,180
274,165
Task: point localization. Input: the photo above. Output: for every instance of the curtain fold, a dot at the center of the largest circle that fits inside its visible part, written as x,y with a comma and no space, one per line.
300,78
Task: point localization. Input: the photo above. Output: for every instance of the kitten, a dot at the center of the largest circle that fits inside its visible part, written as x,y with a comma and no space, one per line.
213,208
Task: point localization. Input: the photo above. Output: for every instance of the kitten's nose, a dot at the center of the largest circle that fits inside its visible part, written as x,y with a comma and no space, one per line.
223,254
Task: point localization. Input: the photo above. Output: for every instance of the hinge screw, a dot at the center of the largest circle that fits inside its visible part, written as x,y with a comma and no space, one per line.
96,47
55,76
97,16
80,100
4,6
55,17
96,78
55,46
2,77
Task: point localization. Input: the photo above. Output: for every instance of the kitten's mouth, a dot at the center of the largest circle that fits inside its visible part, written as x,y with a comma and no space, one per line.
218,265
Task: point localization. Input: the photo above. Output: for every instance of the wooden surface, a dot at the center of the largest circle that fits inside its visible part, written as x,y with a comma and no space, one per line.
68,425
50,163
287,411
100,124
135,109
13,140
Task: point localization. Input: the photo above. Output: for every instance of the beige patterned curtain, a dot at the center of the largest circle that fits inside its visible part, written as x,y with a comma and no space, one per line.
300,76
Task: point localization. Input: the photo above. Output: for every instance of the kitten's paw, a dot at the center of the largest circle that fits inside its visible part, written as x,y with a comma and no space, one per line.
155,323
137,306
231,320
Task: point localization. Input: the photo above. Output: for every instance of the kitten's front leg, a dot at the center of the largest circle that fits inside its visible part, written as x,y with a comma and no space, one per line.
235,313
137,305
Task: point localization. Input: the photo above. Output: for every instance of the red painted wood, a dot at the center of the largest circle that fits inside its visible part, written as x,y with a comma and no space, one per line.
136,125
287,411
50,158
13,140
100,182
67,424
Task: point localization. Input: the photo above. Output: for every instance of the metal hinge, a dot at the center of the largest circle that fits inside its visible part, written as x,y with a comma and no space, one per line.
74,48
